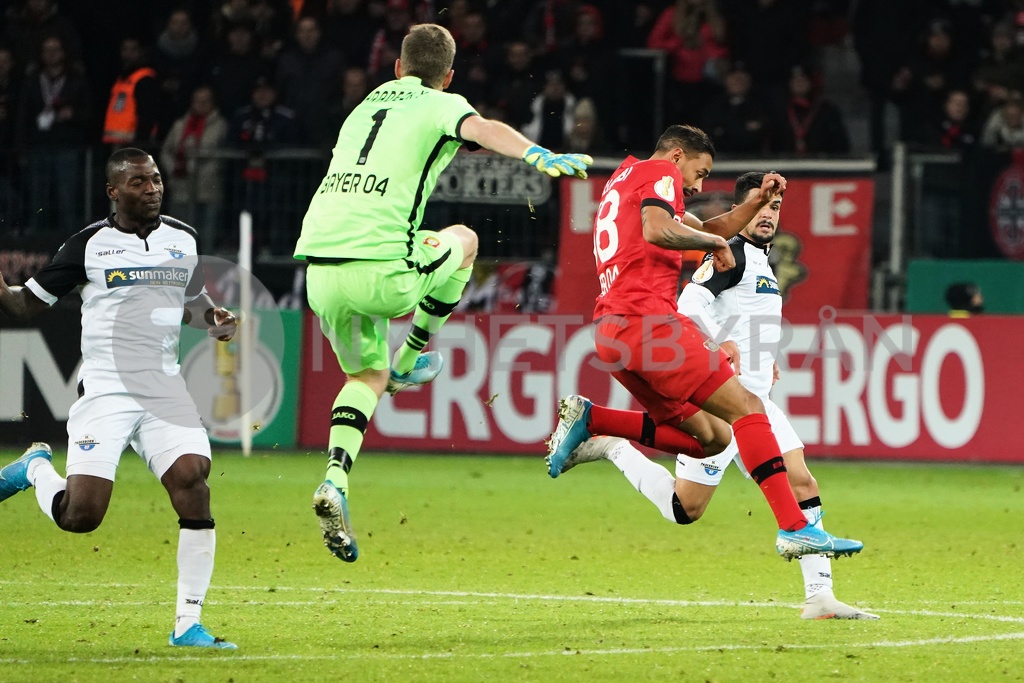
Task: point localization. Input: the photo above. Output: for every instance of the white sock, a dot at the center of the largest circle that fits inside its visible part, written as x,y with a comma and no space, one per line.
47,484
195,568
817,569
647,477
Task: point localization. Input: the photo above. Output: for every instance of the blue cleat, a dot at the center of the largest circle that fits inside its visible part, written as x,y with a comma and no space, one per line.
197,636
813,541
332,509
14,477
570,432
428,366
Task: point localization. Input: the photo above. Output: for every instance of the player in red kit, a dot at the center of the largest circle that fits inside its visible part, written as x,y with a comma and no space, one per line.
662,357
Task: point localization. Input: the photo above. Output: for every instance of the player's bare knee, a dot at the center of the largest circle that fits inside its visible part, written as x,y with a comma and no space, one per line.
689,501
694,510
721,437
81,519
469,240
753,404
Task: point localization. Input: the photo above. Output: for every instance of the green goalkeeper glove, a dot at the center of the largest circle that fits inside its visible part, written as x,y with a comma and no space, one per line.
556,165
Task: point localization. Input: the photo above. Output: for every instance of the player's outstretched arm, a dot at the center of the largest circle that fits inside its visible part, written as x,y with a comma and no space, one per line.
19,303
504,139
729,224
202,314
661,230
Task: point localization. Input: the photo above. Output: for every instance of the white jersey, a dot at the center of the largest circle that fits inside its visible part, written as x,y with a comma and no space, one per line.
133,295
741,305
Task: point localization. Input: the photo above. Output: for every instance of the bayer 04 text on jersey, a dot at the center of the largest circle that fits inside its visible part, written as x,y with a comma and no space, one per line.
350,183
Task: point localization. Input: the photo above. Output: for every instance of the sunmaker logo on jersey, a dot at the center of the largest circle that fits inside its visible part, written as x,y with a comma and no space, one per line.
766,285
153,276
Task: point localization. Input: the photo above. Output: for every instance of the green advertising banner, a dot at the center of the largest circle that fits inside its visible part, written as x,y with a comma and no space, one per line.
212,372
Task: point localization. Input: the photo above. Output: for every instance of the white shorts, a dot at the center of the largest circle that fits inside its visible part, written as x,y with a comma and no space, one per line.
709,470
102,426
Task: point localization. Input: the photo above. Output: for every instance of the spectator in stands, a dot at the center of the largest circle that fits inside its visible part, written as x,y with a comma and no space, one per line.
263,122
953,127
920,86
692,32
454,14
630,24
588,63
549,23
270,21
348,26
1005,126
354,87
879,37
179,60
770,37
262,184
52,129
538,281
134,103
553,111
387,43
587,134
307,74
964,299
194,185
736,122
477,59
806,123
516,85
233,72
1001,68
32,22
10,85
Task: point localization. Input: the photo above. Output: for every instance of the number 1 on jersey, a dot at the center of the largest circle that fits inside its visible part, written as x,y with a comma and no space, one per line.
378,119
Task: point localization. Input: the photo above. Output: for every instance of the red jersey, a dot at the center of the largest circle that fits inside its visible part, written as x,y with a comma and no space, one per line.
637,278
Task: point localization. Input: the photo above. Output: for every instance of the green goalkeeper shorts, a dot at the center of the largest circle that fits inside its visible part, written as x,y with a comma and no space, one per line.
355,301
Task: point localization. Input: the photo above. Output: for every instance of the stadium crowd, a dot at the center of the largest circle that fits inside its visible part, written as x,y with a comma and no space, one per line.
176,76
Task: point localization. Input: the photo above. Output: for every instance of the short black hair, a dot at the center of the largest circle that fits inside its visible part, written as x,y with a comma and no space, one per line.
747,182
691,139
117,161
959,295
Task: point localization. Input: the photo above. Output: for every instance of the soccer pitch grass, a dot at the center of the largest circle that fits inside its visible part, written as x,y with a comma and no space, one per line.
483,568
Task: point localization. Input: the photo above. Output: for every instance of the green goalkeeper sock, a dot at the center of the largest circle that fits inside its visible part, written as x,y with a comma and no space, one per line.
351,414
427,319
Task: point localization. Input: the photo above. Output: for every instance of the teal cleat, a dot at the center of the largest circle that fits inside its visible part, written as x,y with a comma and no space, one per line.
332,509
813,541
428,366
570,432
14,477
197,636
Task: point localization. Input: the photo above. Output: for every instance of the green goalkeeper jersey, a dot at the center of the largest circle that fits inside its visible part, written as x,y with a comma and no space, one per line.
390,152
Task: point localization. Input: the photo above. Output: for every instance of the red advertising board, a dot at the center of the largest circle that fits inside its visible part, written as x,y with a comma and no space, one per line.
888,387
821,257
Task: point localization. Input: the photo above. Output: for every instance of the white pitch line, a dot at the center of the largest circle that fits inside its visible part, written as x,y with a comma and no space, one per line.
539,597
582,652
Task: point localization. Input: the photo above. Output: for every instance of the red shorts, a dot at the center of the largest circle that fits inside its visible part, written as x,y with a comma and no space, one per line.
663,362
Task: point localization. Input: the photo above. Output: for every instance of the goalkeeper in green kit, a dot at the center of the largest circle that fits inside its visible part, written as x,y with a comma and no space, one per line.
368,260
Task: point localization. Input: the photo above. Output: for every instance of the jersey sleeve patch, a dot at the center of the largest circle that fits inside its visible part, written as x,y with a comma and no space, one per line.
665,188
704,272
717,282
